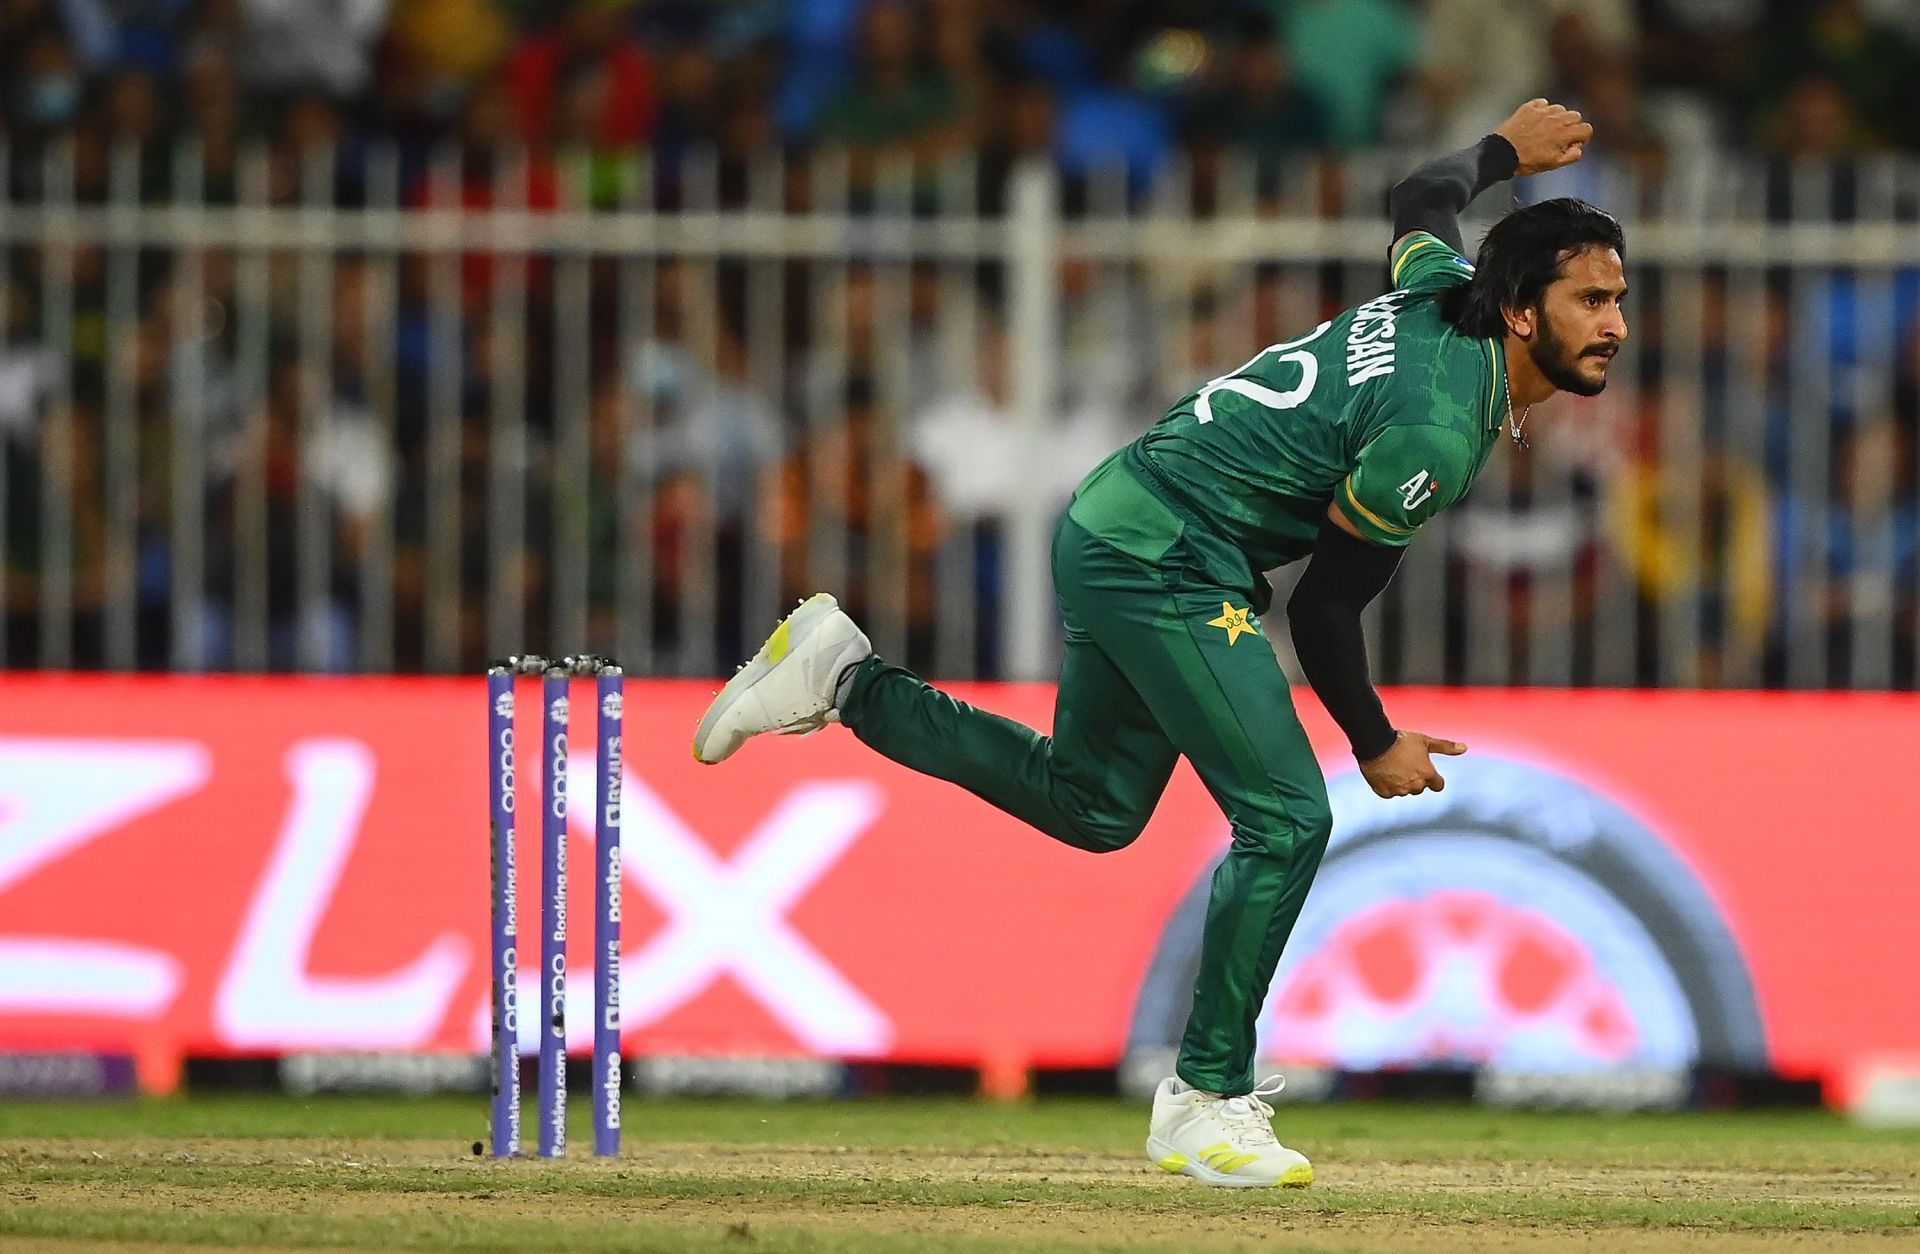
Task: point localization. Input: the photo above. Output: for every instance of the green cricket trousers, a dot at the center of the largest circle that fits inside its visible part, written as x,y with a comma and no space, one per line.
1164,657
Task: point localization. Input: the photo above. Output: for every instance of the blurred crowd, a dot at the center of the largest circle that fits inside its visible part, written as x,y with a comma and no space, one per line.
1089,80
852,423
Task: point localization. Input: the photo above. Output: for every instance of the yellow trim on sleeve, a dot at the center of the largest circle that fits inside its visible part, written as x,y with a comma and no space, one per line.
1417,244
1369,515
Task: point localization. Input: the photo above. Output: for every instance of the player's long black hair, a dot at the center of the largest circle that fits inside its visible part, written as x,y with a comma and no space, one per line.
1520,256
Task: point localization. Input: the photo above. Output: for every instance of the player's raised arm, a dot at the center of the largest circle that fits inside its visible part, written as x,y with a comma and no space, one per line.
1540,136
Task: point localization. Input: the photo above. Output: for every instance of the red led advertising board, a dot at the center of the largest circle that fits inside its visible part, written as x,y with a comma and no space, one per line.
257,866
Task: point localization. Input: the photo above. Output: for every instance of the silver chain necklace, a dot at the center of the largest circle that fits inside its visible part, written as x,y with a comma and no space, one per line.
1515,429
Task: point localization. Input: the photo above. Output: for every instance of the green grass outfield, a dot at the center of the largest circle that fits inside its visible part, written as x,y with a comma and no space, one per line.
367,1173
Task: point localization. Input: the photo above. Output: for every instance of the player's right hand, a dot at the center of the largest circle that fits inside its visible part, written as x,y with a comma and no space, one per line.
1407,768
1546,135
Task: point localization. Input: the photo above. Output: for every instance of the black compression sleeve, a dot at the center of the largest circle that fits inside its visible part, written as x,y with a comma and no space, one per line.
1432,197
1342,578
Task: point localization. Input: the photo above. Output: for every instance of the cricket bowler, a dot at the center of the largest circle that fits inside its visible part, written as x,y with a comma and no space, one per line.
1335,448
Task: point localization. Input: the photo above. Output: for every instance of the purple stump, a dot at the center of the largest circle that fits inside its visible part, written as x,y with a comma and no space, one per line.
611,692
553,914
504,902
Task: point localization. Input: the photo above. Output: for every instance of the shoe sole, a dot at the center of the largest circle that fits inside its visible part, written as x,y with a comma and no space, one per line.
1169,1159
794,629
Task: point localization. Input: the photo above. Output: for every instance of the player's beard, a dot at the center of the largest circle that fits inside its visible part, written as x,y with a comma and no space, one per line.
1559,362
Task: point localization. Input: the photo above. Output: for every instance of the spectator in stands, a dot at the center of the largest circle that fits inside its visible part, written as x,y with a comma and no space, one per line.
716,101
1871,66
1110,337
62,452
1813,130
692,101
591,171
590,39
139,33
1481,55
1835,547
1704,47
493,169
704,439
839,486
210,104
20,463
74,436
47,89
707,424
315,155
1906,470
130,113
1696,531
309,441
874,335
713,439
982,461
820,39
899,99
27,369
615,521
1254,102
22,22
1351,55
295,44
977,458
449,48
1017,126
1108,125
1529,549
748,131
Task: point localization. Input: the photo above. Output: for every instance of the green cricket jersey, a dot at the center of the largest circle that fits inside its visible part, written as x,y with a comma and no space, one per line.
1385,409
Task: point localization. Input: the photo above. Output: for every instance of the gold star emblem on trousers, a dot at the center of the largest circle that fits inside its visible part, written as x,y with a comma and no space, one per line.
1234,622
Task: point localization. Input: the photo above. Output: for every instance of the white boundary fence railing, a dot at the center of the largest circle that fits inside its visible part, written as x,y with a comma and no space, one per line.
383,415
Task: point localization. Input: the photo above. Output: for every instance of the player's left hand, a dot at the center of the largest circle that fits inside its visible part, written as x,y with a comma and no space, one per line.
1407,769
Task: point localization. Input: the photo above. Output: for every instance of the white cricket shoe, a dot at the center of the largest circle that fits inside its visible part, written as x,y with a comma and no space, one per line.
1226,1141
788,686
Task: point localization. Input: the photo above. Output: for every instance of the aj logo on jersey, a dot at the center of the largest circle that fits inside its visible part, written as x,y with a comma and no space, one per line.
1415,491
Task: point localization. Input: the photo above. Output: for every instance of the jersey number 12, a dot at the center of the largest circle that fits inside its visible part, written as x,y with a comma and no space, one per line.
1260,394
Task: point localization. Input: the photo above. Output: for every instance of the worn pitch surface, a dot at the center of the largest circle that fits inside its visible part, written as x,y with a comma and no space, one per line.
274,1172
